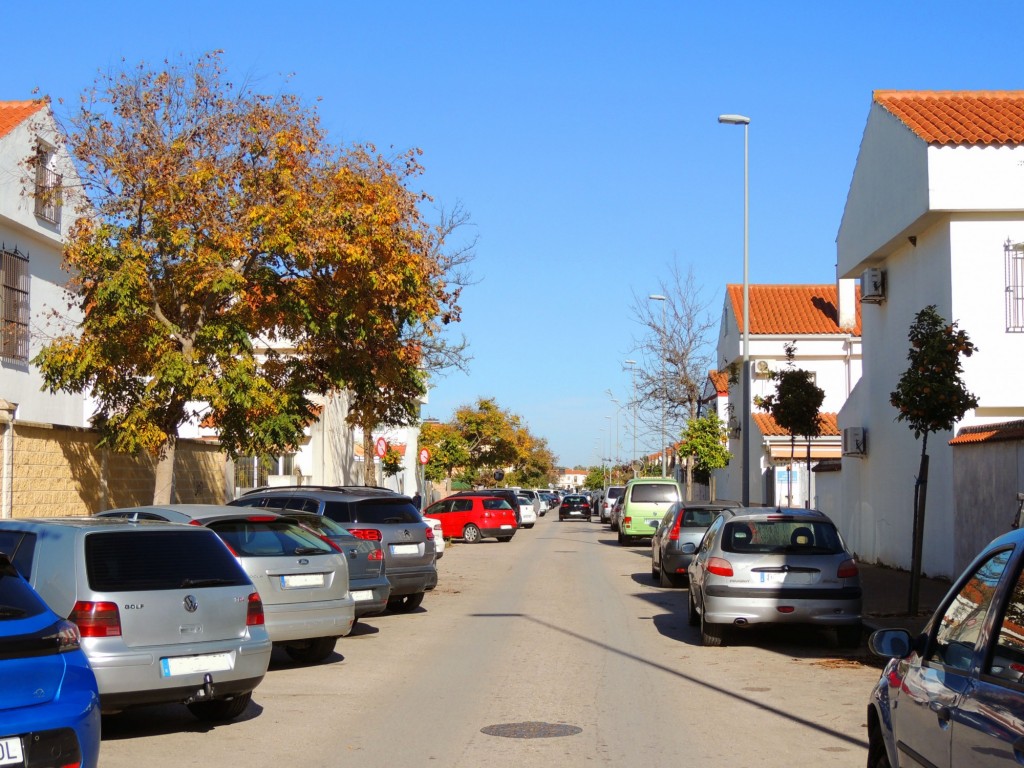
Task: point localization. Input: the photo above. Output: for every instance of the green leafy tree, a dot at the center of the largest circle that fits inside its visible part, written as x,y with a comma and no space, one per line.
796,407
594,479
931,397
491,436
448,451
704,440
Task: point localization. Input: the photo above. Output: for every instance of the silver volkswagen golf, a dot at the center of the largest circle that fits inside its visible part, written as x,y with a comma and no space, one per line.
165,612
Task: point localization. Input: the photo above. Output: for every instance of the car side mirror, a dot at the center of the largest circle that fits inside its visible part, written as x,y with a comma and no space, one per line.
689,548
891,643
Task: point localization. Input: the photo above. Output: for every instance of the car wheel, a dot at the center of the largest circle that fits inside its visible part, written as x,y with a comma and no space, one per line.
405,603
504,538
613,526
710,634
849,637
471,534
665,579
315,650
220,710
691,617
877,756
622,539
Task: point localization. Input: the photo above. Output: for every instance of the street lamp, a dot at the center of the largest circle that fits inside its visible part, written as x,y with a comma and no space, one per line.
745,424
609,449
664,344
632,367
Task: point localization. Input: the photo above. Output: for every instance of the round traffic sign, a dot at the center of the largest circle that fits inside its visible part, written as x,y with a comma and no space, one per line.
381,447
424,455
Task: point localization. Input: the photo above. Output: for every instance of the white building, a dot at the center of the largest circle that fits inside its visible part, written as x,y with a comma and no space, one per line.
827,344
32,229
935,210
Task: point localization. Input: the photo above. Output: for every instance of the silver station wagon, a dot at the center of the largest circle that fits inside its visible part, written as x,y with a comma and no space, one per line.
302,579
165,612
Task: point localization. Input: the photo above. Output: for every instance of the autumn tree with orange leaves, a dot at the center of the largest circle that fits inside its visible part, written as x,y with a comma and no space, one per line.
232,262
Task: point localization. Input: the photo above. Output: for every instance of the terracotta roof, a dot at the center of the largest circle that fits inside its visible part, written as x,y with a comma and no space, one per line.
769,428
990,433
792,309
13,113
720,380
958,117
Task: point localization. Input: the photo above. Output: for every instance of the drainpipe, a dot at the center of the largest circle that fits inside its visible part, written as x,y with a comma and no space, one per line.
7,410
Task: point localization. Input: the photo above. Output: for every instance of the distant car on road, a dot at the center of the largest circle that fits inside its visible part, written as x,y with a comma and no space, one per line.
644,502
526,512
684,523
574,507
50,703
758,566
473,518
608,497
954,694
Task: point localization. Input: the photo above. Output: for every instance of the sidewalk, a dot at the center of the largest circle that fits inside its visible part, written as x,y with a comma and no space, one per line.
886,593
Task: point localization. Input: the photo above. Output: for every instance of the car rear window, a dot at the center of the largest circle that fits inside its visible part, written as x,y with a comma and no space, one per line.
496,504
614,493
699,518
778,536
17,600
269,538
20,548
648,492
387,512
130,561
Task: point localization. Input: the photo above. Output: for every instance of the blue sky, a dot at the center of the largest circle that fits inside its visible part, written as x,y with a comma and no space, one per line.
581,137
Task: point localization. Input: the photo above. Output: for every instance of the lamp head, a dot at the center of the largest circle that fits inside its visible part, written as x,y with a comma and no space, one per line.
734,119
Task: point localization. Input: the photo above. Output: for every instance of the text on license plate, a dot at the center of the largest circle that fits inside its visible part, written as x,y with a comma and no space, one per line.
10,751
187,665
362,594
405,549
297,580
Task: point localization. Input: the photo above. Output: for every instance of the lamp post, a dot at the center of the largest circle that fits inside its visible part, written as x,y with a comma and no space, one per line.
745,424
664,332
609,454
632,461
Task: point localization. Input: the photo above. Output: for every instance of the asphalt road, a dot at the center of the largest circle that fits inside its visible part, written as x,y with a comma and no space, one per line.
555,649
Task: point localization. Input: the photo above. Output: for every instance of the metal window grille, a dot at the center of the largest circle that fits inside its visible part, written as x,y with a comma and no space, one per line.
14,305
252,471
48,193
1014,259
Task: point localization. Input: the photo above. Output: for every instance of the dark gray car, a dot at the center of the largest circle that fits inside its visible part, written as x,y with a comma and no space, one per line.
684,523
368,513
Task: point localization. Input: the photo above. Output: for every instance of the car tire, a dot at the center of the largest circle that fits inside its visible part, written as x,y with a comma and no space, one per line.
405,603
220,710
711,635
877,756
613,526
691,616
655,571
471,534
849,637
314,651
665,579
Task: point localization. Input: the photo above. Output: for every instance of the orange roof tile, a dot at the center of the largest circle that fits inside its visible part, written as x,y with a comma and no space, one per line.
720,380
990,433
792,309
13,113
769,427
958,117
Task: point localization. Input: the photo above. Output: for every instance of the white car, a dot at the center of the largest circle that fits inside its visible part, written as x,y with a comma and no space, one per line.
434,523
527,514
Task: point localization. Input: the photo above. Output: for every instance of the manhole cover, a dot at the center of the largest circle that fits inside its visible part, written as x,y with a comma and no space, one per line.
531,730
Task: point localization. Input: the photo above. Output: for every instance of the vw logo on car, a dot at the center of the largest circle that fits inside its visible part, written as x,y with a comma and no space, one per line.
190,603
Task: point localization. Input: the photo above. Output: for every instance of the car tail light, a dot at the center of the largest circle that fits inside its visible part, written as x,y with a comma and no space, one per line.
377,554
262,518
370,534
673,535
565,505
785,609
96,619
586,505
847,569
66,636
254,613
430,533
719,567
627,521
195,522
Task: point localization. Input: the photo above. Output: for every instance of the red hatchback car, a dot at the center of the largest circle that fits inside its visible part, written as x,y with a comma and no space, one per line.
473,518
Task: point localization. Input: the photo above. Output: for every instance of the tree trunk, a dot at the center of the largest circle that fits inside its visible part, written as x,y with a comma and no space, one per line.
807,501
164,485
789,470
920,496
689,478
369,471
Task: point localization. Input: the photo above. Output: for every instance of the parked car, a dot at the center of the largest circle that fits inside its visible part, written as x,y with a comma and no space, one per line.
302,580
684,523
954,694
644,502
608,497
534,498
473,518
50,705
166,614
616,515
574,507
759,566
435,524
549,498
367,582
507,494
526,512
368,513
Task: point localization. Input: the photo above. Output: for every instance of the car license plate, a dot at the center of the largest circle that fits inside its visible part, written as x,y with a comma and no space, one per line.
362,594
301,580
506,527
187,665
405,549
10,751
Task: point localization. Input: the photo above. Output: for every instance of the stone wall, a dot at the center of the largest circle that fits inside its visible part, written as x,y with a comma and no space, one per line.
60,471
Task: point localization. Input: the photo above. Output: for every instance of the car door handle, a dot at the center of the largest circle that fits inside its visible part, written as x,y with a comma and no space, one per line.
942,712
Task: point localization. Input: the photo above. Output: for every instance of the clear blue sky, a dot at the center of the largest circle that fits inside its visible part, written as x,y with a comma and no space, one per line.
582,137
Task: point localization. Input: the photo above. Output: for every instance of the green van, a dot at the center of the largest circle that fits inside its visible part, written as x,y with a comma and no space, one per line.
645,501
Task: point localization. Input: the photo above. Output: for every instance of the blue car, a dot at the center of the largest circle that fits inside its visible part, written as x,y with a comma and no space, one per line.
49,703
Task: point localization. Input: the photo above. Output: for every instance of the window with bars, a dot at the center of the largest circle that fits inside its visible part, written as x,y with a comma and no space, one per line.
48,188
1013,254
14,305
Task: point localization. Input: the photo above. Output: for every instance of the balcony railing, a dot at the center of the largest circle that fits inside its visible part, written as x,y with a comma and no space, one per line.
48,195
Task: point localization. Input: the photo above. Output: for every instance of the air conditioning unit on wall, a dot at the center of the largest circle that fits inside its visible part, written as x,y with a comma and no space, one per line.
854,443
872,286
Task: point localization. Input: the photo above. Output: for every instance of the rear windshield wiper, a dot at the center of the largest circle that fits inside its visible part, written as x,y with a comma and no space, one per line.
207,582
309,550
